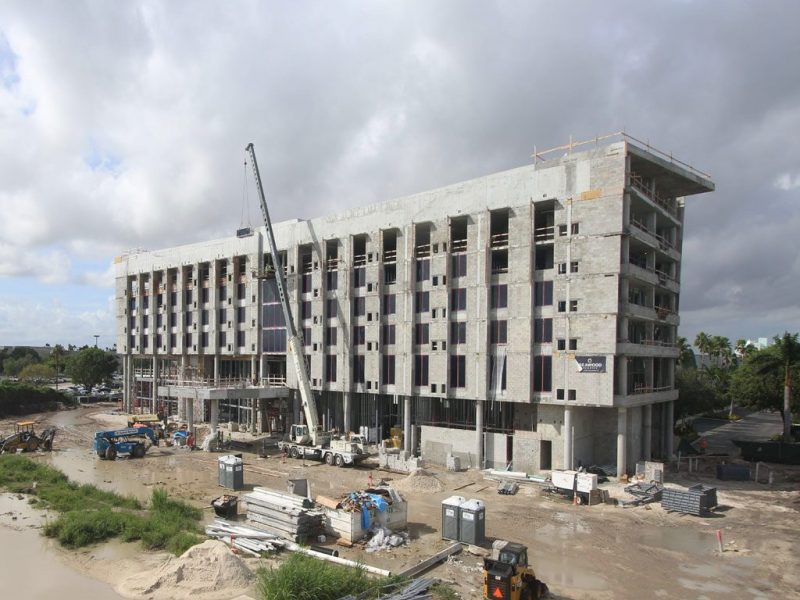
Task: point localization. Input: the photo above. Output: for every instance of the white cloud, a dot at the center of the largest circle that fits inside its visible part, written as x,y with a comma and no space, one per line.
123,124
788,182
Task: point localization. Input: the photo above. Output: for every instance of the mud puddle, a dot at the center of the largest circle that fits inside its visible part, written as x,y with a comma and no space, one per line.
29,563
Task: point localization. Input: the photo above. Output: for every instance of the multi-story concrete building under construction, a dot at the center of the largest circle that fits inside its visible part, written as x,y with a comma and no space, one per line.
526,317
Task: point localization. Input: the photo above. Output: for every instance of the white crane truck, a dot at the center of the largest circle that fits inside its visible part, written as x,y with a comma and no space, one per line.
307,440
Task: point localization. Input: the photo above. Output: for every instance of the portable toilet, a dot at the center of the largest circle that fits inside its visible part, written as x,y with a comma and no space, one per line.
473,523
231,472
451,514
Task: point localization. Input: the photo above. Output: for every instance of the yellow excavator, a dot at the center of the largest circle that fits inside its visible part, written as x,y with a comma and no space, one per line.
507,575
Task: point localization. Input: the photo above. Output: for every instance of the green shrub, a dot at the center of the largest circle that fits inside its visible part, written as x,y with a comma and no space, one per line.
90,515
306,578
24,399
303,577
76,529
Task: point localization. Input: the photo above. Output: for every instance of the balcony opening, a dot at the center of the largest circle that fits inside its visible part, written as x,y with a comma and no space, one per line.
638,256
389,246
498,228
499,261
422,240
458,234
543,258
637,332
359,250
544,224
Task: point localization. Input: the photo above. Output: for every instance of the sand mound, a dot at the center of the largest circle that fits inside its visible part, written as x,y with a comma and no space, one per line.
208,570
420,481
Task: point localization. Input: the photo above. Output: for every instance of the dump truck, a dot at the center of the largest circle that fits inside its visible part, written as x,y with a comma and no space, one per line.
507,575
25,439
133,441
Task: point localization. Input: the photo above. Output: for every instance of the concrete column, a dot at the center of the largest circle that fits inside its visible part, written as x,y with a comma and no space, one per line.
622,375
479,433
622,428
125,384
647,426
668,427
346,411
190,414
568,443
214,415
155,384
253,371
216,369
407,424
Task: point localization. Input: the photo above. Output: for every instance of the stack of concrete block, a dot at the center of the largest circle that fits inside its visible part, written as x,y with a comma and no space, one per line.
289,516
393,459
697,500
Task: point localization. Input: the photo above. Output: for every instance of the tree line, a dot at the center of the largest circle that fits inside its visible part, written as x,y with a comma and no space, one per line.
86,366
739,374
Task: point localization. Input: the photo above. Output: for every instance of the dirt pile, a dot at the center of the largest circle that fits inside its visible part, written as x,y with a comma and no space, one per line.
420,481
207,571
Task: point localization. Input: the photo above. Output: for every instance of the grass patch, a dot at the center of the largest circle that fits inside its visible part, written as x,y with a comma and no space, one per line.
442,591
305,578
89,515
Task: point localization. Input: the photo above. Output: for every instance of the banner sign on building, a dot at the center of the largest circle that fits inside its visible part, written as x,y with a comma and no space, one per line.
591,364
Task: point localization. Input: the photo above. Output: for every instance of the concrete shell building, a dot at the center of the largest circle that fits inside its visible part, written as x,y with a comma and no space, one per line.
526,317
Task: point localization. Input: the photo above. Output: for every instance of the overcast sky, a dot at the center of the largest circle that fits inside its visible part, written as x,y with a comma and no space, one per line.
123,125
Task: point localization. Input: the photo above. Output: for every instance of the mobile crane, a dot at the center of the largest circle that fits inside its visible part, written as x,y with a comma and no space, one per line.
308,440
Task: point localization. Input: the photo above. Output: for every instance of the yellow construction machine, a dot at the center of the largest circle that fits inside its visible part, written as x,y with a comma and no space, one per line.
507,575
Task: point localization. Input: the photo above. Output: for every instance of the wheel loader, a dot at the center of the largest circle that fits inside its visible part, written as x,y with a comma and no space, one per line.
24,438
507,575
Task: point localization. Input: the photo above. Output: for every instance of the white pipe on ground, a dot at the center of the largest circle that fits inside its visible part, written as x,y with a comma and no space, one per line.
339,561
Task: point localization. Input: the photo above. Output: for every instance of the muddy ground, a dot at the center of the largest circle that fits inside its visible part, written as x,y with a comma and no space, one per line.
599,552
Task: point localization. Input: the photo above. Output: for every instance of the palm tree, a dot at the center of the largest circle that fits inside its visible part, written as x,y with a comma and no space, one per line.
686,357
721,349
702,342
785,356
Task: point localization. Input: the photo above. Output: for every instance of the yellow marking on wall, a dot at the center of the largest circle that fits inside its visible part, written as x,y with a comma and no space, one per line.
591,194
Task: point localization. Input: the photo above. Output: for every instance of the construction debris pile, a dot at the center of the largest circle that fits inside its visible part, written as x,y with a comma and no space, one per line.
420,481
361,514
416,590
289,516
697,500
385,539
644,493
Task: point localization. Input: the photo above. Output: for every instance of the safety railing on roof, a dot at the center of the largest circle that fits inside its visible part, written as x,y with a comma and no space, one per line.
539,155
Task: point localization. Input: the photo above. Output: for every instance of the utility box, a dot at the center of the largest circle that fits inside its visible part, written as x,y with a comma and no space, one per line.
564,480
451,516
231,472
587,482
473,523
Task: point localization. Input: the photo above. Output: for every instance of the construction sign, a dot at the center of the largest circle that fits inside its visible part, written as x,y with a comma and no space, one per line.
591,364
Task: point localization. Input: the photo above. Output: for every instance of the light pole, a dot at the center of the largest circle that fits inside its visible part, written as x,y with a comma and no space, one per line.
95,340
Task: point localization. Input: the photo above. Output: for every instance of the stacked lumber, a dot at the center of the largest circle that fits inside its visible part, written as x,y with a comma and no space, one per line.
286,515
